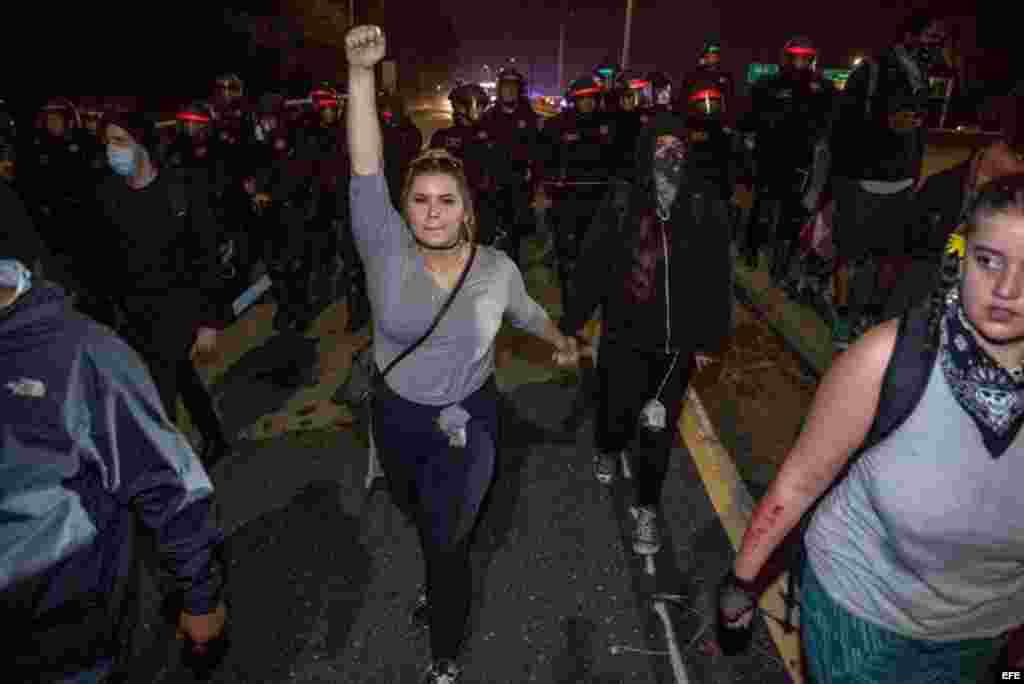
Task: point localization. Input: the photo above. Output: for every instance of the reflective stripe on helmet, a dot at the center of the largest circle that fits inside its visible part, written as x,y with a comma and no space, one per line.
707,94
192,117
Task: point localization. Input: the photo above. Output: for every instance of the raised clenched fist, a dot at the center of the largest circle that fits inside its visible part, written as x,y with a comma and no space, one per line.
365,46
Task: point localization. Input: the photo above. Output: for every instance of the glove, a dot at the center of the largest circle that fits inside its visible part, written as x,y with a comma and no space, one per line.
737,605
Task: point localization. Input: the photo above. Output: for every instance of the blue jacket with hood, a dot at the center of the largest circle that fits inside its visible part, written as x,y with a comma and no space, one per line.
86,449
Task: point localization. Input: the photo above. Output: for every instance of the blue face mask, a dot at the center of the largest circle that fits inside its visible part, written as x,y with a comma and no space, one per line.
14,275
122,160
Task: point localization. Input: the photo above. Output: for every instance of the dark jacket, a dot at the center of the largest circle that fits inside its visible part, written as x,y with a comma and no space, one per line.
934,214
515,137
402,142
788,115
85,447
700,263
474,146
579,146
18,233
864,146
937,210
161,251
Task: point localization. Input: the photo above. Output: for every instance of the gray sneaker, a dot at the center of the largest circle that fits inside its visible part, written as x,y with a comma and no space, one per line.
646,536
605,466
442,671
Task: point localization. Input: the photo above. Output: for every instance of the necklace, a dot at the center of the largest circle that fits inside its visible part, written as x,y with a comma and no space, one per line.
443,276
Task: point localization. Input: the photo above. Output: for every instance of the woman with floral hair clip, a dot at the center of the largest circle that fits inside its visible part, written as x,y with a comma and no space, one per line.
915,554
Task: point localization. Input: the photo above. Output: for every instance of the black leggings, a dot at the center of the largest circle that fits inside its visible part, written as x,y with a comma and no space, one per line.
627,380
441,488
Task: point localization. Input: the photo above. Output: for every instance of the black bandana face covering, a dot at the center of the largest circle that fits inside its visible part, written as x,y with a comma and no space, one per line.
992,396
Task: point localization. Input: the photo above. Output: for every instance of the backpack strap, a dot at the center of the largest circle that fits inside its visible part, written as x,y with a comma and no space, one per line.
906,376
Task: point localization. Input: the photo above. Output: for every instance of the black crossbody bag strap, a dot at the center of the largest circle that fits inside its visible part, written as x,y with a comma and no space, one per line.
438,317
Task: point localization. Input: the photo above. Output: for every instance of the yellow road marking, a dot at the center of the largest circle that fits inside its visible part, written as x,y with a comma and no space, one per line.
733,503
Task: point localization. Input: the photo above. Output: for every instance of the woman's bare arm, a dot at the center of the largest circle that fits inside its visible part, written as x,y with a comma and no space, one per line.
841,415
364,47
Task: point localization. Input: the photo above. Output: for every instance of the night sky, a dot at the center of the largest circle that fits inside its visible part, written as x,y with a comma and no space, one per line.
666,35
168,47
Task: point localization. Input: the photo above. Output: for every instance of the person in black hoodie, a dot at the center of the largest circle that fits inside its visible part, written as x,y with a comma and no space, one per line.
166,280
657,261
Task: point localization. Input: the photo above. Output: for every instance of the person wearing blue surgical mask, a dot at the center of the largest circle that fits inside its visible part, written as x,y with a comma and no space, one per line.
127,158
15,279
122,160
173,271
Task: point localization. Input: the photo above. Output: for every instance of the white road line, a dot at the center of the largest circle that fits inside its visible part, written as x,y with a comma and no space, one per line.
678,667
650,568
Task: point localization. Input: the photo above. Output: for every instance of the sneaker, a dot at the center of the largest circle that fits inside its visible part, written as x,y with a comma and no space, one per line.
442,671
605,467
646,537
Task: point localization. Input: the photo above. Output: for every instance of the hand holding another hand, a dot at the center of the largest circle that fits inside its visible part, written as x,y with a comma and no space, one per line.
703,361
569,352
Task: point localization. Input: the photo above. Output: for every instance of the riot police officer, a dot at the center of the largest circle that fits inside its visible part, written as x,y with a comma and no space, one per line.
710,74
55,187
627,98
513,130
402,141
285,197
468,140
325,149
715,153
190,146
661,92
94,152
606,75
790,118
579,158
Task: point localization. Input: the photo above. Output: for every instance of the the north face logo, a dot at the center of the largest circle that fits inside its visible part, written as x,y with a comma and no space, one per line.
27,388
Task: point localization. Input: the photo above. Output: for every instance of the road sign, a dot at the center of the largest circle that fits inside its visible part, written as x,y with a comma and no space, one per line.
756,71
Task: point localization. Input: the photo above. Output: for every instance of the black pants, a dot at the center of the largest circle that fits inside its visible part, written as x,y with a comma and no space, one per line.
164,343
627,379
441,488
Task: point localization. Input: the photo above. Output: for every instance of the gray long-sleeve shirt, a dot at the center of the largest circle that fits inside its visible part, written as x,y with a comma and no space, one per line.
458,357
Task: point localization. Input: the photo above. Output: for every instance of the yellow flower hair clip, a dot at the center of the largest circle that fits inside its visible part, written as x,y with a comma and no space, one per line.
957,245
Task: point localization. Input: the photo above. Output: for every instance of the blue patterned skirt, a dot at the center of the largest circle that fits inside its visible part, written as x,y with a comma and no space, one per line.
842,648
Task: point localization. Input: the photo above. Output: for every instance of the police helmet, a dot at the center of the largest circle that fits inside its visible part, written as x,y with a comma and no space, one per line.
582,87
463,96
512,74
797,50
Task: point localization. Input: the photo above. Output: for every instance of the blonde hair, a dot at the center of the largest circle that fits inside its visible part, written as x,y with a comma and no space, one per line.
436,161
